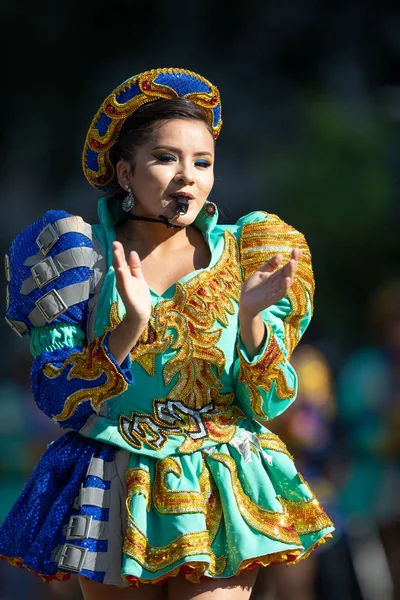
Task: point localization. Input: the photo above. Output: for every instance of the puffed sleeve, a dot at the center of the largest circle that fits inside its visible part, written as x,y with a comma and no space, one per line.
267,384
71,380
51,278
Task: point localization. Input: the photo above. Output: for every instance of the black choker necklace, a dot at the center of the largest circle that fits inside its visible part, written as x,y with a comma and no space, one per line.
162,219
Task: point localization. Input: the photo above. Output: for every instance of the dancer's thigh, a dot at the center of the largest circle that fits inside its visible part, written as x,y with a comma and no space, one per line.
234,588
91,590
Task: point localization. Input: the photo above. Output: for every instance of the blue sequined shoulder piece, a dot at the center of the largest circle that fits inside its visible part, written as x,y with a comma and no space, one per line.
49,271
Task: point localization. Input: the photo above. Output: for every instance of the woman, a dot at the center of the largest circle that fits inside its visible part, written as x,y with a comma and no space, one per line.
162,339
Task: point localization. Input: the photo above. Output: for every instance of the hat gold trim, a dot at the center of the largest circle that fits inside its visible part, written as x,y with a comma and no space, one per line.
148,86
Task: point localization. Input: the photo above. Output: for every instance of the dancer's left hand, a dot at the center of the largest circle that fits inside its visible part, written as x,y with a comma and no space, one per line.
268,285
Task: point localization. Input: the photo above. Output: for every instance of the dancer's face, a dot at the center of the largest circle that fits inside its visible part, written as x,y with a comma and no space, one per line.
177,158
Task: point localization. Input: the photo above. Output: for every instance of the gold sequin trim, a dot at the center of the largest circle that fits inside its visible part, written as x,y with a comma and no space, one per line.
297,518
275,525
154,558
168,501
308,516
150,343
263,373
212,500
89,365
138,482
115,315
194,407
259,243
193,312
270,441
288,557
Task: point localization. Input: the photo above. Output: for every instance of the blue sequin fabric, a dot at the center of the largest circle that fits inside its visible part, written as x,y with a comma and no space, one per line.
35,527
70,381
54,395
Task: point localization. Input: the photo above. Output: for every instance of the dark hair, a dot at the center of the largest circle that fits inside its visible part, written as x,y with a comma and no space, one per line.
138,128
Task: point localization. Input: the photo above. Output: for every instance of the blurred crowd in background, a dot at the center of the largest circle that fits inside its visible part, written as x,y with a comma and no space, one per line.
311,108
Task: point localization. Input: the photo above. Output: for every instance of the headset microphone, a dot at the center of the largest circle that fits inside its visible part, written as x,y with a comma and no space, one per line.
181,209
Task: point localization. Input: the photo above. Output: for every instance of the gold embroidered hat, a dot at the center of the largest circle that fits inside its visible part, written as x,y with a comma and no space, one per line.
151,85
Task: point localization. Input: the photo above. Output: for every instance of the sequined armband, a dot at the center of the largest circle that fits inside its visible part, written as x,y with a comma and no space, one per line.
96,374
266,371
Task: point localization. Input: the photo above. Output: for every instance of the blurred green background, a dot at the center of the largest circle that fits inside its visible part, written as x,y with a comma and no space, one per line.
311,108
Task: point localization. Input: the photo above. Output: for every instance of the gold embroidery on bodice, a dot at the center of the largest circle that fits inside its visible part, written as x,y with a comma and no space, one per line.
195,406
261,375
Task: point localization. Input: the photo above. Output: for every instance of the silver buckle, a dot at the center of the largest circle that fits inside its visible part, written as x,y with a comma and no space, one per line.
63,560
43,276
7,297
17,327
74,522
7,267
46,239
61,306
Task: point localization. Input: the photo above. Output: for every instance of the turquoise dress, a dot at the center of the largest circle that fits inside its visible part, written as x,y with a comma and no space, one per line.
197,481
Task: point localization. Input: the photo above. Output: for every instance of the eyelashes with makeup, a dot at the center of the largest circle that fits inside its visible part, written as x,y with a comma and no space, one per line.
170,157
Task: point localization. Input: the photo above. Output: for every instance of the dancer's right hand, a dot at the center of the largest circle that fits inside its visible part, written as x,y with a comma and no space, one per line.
132,286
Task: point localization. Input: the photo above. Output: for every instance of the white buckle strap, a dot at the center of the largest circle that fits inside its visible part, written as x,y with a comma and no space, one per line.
7,268
55,303
90,496
51,268
50,235
75,558
83,527
72,557
103,469
51,305
18,327
44,272
94,497
73,224
78,527
46,239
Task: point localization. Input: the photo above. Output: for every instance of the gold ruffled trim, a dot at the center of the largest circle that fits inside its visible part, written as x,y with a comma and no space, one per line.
290,557
155,558
285,556
314,546
195,570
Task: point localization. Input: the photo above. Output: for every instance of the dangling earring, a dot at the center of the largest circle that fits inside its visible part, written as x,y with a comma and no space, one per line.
210,209
129,201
